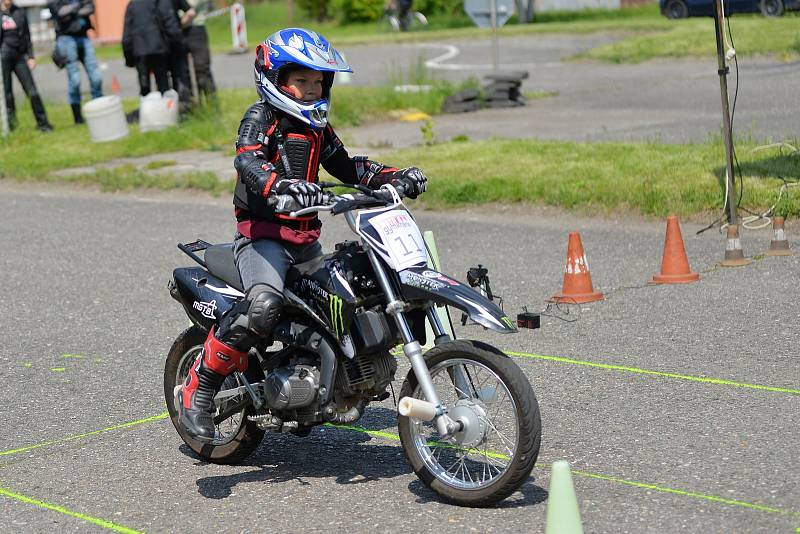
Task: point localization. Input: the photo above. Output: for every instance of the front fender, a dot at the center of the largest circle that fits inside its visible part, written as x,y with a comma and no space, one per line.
423,283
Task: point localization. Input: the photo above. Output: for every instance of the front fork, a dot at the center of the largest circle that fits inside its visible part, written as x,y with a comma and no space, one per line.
413,351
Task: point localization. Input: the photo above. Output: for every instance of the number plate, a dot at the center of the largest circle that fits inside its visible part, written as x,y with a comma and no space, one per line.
401,237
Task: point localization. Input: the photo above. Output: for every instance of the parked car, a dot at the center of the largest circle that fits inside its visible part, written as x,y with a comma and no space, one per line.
680,9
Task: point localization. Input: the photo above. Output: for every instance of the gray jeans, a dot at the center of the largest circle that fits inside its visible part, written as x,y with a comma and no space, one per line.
265,261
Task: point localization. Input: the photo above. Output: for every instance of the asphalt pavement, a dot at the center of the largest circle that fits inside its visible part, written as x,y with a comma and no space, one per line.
678,407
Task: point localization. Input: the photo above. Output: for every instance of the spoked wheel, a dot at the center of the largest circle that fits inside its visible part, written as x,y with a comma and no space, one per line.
494,454
236,437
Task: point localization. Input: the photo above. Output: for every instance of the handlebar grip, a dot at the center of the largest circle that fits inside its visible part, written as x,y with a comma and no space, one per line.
283,203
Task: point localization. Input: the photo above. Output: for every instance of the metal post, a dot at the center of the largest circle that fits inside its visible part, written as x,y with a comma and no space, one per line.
495,58
4,128
726,115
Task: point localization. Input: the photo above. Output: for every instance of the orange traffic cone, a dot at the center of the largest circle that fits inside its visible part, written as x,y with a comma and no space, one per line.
577,280
115,88
674,264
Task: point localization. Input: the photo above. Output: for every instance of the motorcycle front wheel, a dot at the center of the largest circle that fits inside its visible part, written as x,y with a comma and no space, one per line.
236,437
495,453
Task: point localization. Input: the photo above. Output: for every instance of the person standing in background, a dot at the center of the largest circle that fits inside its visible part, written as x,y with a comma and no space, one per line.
149,35
16,51
178,62
196,39
71,18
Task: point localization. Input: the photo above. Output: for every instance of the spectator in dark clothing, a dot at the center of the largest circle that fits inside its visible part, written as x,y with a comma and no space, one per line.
150,34
179,64
16,50
196,38
71,18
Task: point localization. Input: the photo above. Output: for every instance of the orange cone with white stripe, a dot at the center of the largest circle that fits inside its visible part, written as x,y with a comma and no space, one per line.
577,286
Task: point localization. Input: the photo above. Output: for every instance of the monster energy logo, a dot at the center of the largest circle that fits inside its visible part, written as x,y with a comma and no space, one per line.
506,319
335,305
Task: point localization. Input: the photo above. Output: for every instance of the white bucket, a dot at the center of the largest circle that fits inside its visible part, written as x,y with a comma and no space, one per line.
105,118
157,111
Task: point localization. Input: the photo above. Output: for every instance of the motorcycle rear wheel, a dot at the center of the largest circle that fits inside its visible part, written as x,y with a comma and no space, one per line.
484,469
236,437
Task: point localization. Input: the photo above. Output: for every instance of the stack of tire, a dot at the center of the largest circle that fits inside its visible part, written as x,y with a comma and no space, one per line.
500,90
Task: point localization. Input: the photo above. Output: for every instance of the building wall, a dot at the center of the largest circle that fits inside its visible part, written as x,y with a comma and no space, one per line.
109,19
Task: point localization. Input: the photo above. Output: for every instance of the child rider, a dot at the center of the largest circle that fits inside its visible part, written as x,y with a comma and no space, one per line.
283,139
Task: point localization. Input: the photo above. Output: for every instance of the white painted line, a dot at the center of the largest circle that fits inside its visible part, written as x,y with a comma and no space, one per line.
451,51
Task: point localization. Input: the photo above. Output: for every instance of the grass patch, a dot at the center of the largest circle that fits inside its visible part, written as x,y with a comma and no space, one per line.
753,35
29,154
601,178
129,178
160,164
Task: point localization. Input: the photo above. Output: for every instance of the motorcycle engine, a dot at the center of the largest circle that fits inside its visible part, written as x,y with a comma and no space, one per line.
366,373
290,387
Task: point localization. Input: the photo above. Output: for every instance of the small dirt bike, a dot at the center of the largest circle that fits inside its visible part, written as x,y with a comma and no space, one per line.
469,420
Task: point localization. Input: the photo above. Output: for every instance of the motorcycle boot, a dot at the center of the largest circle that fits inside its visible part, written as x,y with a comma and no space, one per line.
195,400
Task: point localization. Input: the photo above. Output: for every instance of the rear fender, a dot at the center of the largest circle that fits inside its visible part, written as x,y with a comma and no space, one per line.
423,283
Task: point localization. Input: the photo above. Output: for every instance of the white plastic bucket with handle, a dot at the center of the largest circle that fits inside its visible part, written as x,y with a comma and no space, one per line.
105,119
157,111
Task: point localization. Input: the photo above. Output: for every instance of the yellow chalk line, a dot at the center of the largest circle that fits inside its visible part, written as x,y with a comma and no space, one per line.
712,498
663,489
626,369
86,435
60,509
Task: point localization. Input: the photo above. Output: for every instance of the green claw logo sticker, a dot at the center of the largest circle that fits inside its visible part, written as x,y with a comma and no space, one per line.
335,306
506,319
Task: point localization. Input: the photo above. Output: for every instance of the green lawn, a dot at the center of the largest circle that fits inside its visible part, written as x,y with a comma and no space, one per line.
753,35
592,178
28,154
601,178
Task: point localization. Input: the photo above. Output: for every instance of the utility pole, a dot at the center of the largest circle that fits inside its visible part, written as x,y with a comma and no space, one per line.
722,70
3,111
495,47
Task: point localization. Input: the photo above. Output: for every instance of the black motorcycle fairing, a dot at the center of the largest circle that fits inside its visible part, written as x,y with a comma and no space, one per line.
322,284
421,283
205,297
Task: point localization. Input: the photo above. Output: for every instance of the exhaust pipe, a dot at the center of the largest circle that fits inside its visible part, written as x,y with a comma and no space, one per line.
416,409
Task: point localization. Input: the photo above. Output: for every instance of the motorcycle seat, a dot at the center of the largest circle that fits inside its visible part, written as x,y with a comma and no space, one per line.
221,263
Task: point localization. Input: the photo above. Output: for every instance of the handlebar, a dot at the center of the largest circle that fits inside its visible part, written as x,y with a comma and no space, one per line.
337,204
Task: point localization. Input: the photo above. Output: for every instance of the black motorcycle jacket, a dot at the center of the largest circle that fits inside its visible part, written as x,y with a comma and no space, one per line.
15,37
71,17
271,147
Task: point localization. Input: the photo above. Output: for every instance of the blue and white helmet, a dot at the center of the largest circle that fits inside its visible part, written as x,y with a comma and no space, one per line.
288,49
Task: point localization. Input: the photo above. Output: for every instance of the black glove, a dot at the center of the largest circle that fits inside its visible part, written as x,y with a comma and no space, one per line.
306,194
412,179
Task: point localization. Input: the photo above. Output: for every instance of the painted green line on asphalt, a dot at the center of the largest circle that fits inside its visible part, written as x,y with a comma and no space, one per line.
663,489
86,435
626,369
693,494
56,508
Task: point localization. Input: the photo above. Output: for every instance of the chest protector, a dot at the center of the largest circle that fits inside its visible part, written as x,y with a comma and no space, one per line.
301,148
